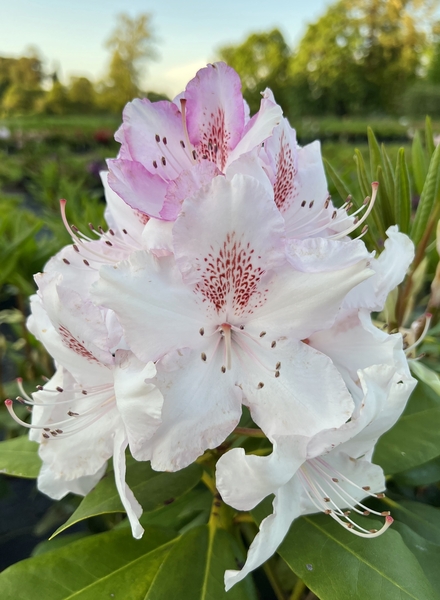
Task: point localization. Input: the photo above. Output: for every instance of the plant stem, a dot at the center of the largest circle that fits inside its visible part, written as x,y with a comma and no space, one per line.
298,590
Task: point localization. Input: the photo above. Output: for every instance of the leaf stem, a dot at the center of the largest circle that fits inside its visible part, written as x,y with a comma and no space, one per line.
298,590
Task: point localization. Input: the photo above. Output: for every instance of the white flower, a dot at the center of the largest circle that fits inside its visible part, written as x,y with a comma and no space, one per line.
224,318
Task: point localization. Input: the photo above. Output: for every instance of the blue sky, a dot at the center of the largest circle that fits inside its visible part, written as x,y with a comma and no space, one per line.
71,35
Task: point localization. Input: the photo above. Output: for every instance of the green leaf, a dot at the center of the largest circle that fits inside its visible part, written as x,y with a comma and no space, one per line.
153,490
424,474
375,154
418,160
402,197
429,137
384,201
422,518
108,565
412,441
336,565
427,553
388,172
426,375
340,186
428,198
19,457
195,567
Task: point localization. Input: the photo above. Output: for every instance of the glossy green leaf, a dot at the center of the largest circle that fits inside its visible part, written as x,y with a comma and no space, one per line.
402,197
422,518
109,565
152,490
374,149
418,160
412,441
384,201
19,457
388,172
337,565
427,553
428,472
429,197
426,375
195,567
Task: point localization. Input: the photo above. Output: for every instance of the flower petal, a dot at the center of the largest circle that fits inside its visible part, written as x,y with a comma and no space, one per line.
129,502
55,487
273,529
140,189
119,215
156,310
202,405
215,112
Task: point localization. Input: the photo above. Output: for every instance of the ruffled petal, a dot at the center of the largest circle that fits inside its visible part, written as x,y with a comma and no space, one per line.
219,237
140,189
202,405
273,529
129,502
390,269
119,215
156,310
215,112
245,480
139,403
53,486
259,128
157,237
153,132
284,394
316,255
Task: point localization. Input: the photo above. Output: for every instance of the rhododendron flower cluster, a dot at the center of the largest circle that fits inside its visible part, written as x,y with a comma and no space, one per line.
226,277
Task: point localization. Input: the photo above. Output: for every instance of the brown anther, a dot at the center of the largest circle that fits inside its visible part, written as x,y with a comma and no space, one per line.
347,512
303,203
39,387
111,232
164,161
385,513
54,433
373,530
278,366
203,356
182,143
366,488
72,414
273,344
328,512
20,399
355,220
260,385
350,525
124,231
242,327
223,369
367,200
366,513
108,243
154,164
91,226
202,331
59,389
157,137
46,428
326,499
262,334
75,247
66,261
277,373
86,262
84,392
164,140
59,430
194,153
45,435
335,479
364,229
327,203
311,204
335,214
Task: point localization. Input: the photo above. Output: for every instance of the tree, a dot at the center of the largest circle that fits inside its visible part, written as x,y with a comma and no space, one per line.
131,44
262,60
81,95
360,56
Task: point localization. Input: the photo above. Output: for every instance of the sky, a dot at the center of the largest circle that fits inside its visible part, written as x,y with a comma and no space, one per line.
70,36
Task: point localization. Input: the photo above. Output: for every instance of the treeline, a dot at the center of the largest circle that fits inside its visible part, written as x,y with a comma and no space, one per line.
26,88
362,57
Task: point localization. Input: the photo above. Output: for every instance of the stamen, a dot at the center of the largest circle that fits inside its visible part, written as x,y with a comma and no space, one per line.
370,205
226,329
428,318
